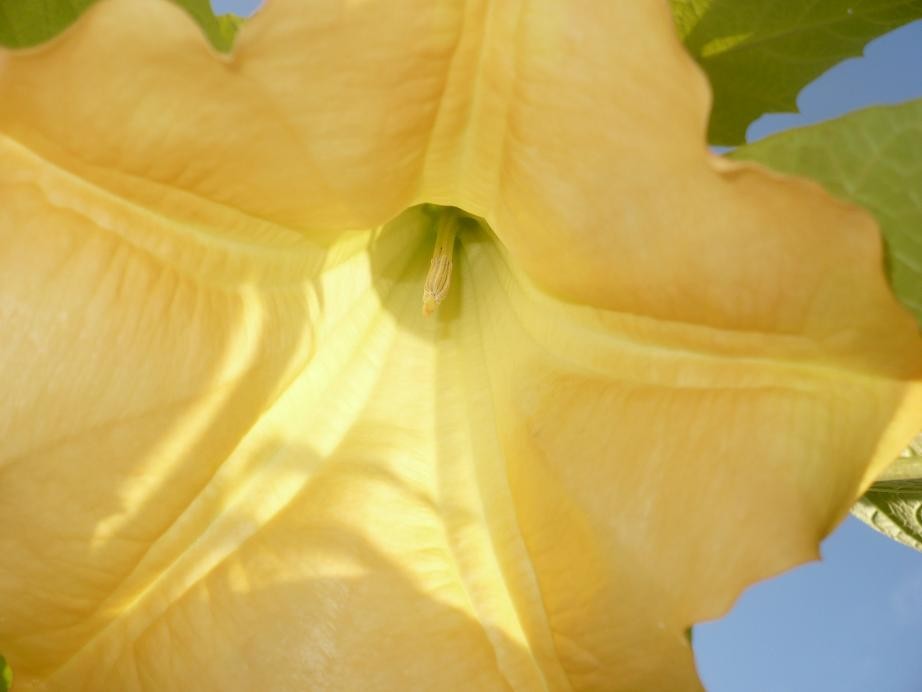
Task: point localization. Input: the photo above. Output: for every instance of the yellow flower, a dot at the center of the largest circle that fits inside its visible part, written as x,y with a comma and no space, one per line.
234,454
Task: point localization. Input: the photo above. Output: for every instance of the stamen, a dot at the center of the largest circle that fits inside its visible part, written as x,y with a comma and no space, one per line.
439,277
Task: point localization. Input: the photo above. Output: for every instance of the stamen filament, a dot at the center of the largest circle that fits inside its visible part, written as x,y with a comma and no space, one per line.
438,279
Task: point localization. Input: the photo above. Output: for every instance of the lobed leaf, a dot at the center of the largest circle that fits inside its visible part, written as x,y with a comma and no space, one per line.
759,54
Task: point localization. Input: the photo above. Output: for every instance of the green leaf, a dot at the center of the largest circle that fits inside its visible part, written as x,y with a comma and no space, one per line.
874,158
6,675
893,505
758,54
27,23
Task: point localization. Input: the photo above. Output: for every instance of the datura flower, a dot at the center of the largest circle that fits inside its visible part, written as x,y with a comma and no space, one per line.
237,456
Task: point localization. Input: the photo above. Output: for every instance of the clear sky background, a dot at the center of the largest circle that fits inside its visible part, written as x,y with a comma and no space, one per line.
853,622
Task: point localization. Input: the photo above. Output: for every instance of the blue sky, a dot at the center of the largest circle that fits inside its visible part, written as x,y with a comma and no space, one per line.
853,622
889,72
239,7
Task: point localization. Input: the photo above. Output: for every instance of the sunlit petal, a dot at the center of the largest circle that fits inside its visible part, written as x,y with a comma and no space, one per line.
513,492
129,337
233,453
590,117
320,119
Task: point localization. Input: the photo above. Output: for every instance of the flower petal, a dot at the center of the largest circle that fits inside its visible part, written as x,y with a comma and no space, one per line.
217,478
130,335
145,443
575,128
515,493
592,118
320,120
715,457
235,459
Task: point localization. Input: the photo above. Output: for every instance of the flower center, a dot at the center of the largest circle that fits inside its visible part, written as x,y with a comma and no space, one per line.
438,280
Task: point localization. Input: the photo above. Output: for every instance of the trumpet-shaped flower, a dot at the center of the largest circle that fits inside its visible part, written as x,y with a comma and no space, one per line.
236,456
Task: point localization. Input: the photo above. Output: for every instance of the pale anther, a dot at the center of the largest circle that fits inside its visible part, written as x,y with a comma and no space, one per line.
438,279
